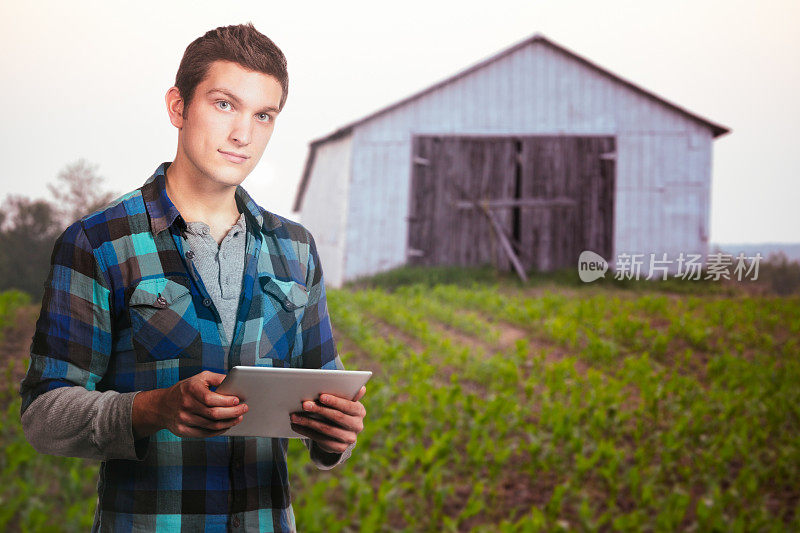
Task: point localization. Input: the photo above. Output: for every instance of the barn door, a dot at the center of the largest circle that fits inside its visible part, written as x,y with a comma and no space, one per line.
559,192
577,168
449,169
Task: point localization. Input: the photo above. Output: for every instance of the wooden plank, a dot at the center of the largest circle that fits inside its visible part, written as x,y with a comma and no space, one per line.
422,206
505,244
521,202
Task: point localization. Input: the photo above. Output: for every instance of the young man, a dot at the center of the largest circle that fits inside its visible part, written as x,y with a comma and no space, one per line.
151,300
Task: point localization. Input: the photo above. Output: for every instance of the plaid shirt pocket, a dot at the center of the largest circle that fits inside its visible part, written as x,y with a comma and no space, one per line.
290,294
163,319
283,305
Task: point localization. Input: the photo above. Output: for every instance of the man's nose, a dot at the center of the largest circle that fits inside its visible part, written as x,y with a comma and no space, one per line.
242,131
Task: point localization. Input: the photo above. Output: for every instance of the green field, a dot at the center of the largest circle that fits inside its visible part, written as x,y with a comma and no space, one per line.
550,406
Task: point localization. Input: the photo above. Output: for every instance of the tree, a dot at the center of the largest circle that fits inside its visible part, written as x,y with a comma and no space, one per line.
78,189
28,231
29,228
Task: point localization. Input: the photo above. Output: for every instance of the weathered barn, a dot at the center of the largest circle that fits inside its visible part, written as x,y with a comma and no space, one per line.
563,155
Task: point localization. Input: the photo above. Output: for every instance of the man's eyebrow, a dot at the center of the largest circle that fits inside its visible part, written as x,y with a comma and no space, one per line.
236,99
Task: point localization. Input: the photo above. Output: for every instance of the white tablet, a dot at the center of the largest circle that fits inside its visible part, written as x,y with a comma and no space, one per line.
272,394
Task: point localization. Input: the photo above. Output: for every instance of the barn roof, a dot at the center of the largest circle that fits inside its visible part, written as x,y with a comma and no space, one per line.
347,129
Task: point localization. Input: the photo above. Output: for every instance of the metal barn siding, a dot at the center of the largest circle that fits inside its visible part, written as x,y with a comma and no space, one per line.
325,206
663,153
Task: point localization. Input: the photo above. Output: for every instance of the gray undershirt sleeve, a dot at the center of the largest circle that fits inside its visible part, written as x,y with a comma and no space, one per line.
76,422
324,460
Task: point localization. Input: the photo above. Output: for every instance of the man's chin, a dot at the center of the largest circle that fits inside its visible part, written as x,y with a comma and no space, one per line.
228,176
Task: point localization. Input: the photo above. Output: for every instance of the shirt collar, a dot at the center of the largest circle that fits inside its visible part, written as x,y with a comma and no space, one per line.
163,213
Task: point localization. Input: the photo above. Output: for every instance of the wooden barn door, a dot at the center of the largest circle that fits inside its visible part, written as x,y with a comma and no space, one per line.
551,196
448,169
580,169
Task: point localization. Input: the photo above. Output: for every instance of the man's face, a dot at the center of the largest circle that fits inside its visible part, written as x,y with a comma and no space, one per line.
233,110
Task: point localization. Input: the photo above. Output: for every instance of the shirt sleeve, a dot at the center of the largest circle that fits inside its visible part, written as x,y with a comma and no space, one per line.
75,422
324,460
71,347
319,347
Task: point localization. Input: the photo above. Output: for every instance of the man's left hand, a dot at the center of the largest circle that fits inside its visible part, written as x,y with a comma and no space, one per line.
343,421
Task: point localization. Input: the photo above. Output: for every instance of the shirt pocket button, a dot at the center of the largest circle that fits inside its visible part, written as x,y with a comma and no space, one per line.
163,320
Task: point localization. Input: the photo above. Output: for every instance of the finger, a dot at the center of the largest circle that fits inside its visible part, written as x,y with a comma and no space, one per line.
218,413
329,430
198,433
213,399
343,404
201,422
361,393
210,398
325,443
197,406
337,417
211,378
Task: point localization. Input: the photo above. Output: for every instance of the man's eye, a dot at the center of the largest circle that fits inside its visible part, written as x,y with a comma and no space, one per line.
266,118
223,102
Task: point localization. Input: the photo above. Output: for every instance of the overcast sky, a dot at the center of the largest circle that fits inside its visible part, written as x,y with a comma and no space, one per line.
87,79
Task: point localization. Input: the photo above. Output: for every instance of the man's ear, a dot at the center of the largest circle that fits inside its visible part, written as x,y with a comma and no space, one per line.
175,107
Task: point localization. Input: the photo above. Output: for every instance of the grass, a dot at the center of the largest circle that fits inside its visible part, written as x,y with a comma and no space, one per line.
568,277
37,492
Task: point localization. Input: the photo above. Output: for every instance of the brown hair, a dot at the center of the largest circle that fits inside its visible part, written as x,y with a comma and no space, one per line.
241,44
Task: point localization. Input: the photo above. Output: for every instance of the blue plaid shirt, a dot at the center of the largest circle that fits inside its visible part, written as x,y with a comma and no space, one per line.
124,309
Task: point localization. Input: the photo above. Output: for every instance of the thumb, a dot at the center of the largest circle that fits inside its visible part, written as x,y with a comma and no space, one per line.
361,393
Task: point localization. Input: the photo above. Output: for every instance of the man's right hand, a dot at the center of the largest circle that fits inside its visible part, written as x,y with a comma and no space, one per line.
188,409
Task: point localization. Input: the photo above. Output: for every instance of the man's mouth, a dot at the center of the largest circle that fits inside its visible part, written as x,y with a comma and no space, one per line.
234,157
